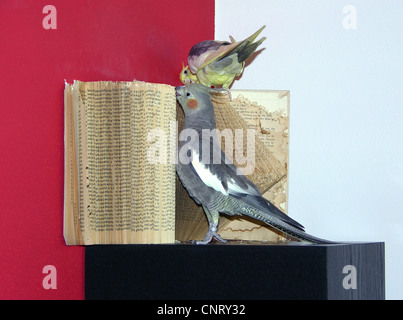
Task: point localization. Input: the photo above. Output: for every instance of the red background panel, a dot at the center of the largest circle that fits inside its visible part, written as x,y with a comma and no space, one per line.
94,40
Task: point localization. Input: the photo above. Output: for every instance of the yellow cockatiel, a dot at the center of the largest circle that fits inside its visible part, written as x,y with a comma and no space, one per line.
216,63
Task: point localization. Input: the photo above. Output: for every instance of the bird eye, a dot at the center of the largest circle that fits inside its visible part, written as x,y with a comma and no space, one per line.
188,94
185,72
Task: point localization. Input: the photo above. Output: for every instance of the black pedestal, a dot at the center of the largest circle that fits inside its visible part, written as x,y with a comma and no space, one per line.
236,272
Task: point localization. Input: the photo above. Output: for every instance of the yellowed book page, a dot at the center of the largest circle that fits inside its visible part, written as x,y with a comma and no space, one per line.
71,224
127,181
266,111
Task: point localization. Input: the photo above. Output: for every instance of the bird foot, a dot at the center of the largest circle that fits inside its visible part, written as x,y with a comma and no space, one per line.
211,234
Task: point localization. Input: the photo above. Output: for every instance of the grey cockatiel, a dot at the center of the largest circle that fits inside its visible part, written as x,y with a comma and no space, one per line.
212,181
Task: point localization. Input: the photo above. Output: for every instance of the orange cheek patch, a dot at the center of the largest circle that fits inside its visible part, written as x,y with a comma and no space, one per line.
192,104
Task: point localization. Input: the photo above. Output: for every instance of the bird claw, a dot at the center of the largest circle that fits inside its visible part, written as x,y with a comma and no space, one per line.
210,236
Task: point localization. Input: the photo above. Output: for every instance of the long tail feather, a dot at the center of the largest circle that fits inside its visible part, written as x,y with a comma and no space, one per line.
245,48
254,36
244,54
281,225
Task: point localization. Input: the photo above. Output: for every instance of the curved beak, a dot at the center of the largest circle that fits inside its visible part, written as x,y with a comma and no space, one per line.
177,91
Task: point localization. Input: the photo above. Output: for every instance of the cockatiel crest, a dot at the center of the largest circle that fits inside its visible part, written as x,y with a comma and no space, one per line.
216,63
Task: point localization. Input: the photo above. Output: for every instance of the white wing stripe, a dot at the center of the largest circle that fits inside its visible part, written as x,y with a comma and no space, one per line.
206,176
234,187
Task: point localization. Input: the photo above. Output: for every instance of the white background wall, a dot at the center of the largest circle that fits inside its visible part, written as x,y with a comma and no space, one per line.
346,130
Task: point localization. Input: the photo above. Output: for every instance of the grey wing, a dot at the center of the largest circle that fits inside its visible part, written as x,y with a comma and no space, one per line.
228,65
221,174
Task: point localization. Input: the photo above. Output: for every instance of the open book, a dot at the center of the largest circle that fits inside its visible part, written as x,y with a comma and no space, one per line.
120,153
113,194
